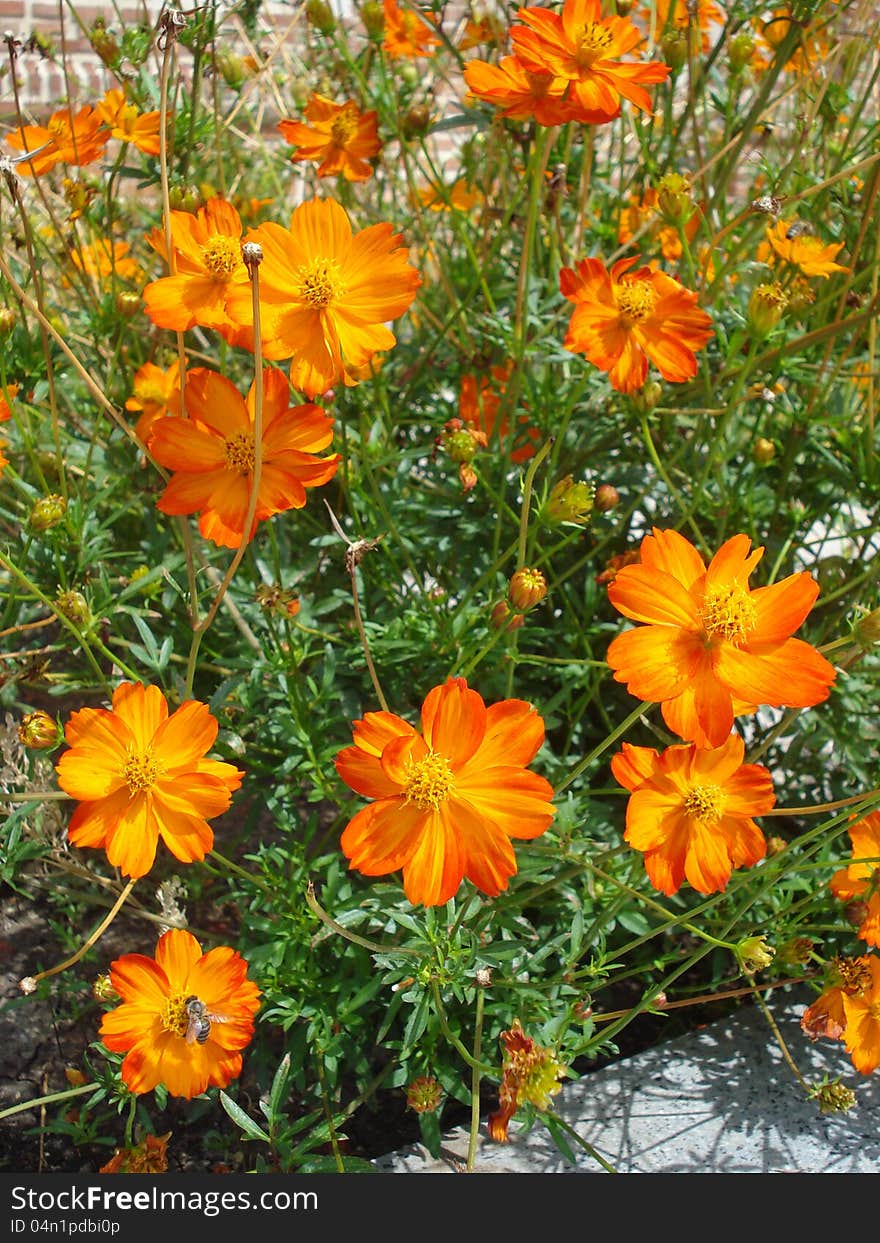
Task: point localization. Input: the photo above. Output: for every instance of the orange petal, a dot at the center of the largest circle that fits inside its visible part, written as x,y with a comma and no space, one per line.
454,721
435,870
185,736
525,811
671,553
794,674
707,864
140,981
133,837
655,662
177,952
514,735
143,709
632,766
783,607
648,594
383,836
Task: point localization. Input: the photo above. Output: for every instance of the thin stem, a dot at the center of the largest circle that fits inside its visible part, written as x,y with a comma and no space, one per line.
475,1082
527,501
578,1139
603,746
89,942
67,1095
315,906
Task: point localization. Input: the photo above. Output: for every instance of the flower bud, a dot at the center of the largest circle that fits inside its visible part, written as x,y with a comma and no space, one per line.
373,17
867,628
38,731
8,320
128,303
74,606
607,497
740,51
569,502
231,67
424,1095
184,198
648,396
754,954
775,846
103,990
674,46
526,589
104,43
766,307
321,16
416,121
502,617
796,952
674,198
763,451
856,912
47,512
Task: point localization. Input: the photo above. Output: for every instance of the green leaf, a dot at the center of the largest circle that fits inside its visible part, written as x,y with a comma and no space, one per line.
241,1119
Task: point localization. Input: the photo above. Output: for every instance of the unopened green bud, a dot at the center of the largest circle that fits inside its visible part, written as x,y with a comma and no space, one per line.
47,512
867,628
74,606
231,67
674,46
373,17
766,307
740,51
832,1097
128,303
8,320
570,502
184,198
321,16
416,121
104,43
674,198
754,954
38,731
763,451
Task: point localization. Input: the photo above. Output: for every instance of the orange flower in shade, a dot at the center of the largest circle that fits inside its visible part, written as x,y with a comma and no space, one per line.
408,33
6,413
581,46
861,880
690,812
529,1073
487,29
459,196
438,814
326,294
478,405
155,1029
802,250
104,259
207,266
676,15
155,393
212,454
849,1010
338,136
141,129
520,93
710,643
622,319
147,1157
65,138
140,774
644,214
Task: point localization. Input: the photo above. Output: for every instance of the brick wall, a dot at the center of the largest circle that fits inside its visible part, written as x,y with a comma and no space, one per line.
41,78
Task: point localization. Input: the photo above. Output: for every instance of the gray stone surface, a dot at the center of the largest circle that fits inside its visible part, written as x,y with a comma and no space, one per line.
719,1100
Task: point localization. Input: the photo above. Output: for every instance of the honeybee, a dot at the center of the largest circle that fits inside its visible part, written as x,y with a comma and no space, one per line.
199,1019
800,228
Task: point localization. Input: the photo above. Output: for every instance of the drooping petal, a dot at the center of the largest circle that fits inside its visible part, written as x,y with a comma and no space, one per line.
435,869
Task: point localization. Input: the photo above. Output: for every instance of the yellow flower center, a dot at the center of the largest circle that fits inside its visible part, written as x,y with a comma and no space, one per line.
58,127
141,770
593,41
128,114
429,782
150,391
728,613
704,803
221,256
635,300
174,1017
344,125
319,282
240,453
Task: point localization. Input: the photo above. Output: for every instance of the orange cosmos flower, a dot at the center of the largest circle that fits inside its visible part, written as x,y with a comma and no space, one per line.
407,33
711,641
849,1010
103,259
801,249
622,319
6,413
690,812
459,196
645,211
487,29
478,405
519,92
207,266
676,15
140,774
66,139
147,1157
580,45
185,1016
141,129
861,880
438,814
156,393
212,454
326,294
338,135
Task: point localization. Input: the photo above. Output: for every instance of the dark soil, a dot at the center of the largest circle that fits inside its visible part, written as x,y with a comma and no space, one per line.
43,1036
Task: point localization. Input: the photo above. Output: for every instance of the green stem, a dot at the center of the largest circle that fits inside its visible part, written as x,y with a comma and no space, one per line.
527,501
603,746
315,906
68,1095
475,1083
